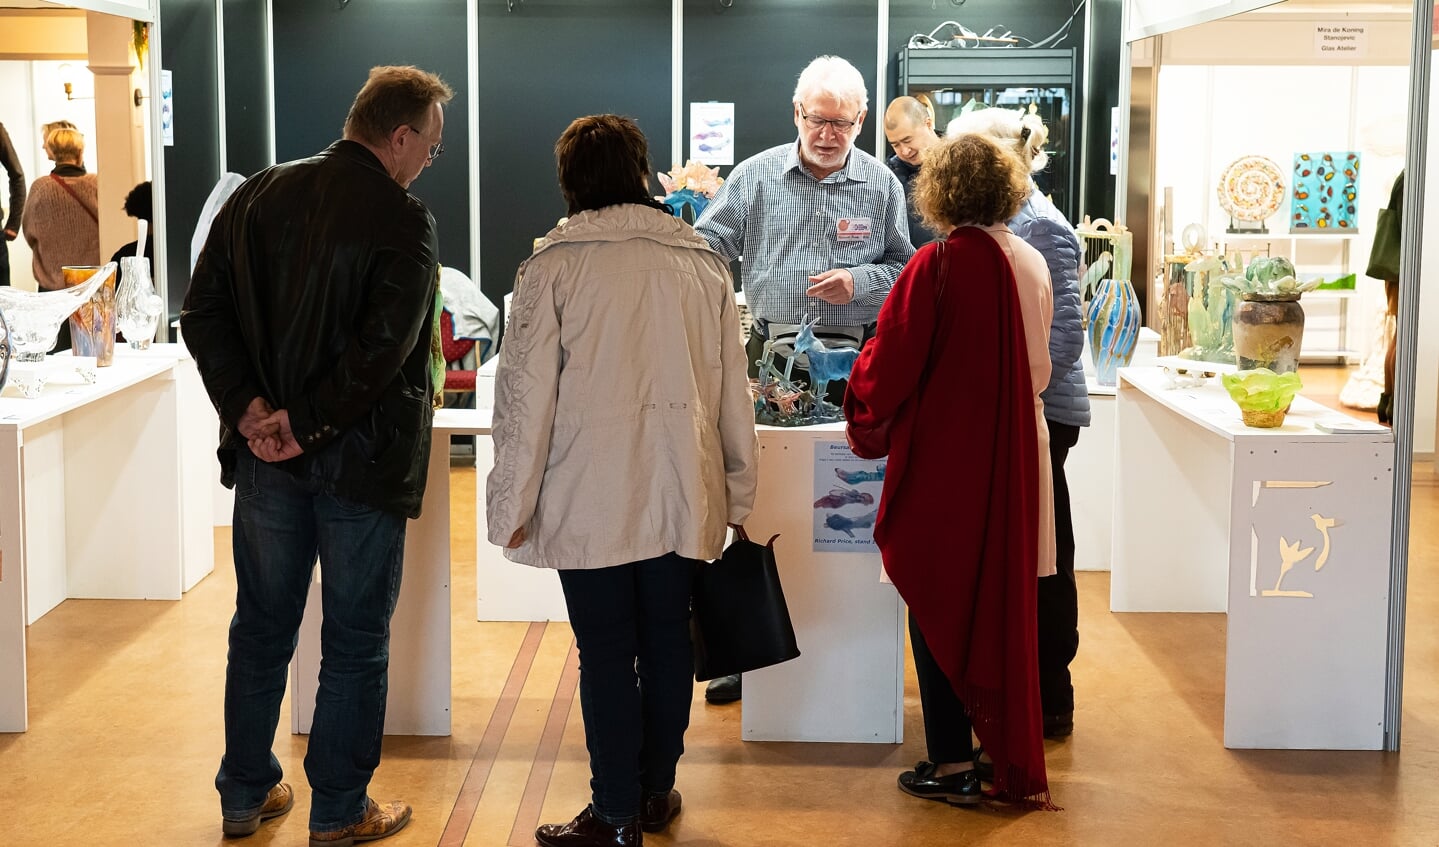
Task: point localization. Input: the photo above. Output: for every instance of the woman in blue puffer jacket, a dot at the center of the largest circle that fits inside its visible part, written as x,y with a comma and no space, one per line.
1066,400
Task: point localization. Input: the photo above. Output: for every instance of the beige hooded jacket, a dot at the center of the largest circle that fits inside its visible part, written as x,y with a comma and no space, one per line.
623,424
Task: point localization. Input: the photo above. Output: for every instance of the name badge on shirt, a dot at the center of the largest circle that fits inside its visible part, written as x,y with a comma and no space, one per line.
854,229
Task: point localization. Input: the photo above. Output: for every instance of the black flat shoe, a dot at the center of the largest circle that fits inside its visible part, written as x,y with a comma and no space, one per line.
586,830
657,810
1059,726
958,789
724,689
982,766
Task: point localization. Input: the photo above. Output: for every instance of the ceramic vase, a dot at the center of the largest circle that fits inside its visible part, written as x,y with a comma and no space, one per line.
1114,323
1269,334
92,326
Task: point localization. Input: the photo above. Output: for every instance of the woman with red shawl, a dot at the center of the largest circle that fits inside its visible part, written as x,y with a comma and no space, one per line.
949,390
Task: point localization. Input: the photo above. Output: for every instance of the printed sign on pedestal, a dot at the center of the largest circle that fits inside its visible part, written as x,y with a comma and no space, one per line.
846,499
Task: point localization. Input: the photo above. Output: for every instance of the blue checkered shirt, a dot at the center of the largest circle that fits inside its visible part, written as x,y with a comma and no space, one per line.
785,224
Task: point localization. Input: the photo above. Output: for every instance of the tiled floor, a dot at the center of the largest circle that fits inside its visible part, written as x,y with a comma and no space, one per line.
126,732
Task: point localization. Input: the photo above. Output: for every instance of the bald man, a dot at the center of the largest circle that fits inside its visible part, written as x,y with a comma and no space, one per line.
909,128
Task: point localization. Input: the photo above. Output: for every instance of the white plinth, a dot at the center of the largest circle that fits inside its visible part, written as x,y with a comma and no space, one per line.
848,683
1207,509
419,692
90,502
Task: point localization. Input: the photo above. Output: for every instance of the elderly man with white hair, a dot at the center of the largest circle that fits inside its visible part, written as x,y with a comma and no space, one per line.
1066,399
821,227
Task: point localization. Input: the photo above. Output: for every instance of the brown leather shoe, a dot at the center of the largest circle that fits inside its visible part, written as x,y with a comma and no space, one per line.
380,822
586,830
277,802
658,810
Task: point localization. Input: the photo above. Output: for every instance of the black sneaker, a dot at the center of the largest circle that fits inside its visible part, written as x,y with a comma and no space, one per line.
1059,726
959,789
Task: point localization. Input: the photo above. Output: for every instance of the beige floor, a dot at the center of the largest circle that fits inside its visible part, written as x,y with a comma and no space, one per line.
126,731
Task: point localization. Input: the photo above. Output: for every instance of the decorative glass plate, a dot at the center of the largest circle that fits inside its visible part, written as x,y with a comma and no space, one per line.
1251,188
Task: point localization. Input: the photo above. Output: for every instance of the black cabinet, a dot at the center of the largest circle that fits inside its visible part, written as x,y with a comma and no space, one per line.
1038,80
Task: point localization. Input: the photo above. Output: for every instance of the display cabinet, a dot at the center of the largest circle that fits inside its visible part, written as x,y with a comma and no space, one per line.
1040,80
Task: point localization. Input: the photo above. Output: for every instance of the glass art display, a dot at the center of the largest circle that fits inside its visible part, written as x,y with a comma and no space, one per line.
694,186
1262,395
1209,312
1269,322
1114,323
780,400
137,306
1326,192
1251,189
34,322
92,325
35,316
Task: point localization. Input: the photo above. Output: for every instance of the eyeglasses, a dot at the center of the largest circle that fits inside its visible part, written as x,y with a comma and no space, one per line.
839,125
435,149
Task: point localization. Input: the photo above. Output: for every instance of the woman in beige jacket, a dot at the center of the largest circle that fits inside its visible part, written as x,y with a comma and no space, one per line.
624,443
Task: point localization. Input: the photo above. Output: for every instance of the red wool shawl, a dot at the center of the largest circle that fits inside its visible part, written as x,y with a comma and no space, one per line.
944,390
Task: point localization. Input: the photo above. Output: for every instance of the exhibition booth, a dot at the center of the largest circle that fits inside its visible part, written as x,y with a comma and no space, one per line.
1298,532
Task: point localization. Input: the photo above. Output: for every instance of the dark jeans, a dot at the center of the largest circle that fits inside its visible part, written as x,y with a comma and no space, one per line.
631,625
4,260
947,728
1058,601
281,524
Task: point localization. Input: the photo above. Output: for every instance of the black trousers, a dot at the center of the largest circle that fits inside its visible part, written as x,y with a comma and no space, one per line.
1058,596
4,260
946,727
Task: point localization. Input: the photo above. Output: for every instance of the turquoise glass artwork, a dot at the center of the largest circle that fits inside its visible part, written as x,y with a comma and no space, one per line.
1325,192
1114,323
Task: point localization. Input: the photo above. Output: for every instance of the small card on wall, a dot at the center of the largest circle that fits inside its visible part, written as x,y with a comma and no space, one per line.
712,133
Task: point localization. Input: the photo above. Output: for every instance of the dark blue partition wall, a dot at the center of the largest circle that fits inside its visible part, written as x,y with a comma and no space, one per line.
542,65
324,52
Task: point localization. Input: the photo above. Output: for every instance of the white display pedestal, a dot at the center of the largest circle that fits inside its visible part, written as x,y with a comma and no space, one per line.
1206,512
505,590
1090,467
419,692
90,502
848,683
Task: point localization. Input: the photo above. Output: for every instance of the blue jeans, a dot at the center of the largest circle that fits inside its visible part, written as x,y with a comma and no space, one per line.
631,625
281,524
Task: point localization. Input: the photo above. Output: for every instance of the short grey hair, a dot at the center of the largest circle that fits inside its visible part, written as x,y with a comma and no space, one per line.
1017,129
835,77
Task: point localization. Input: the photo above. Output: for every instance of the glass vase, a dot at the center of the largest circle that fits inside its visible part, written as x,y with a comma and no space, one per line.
34,316
92,326
137,306
1114,323
1269,334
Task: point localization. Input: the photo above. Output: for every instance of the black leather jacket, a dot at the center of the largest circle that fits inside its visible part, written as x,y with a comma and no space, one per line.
316,290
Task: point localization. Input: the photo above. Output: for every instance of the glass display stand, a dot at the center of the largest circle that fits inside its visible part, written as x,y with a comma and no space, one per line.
1038,80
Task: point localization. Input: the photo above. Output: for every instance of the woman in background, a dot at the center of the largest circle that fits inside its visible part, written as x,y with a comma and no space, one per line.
624,441
1066,399
949,390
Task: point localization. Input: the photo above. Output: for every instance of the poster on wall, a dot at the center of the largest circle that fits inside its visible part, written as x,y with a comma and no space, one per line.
846,499
1325,192
712,133
167,109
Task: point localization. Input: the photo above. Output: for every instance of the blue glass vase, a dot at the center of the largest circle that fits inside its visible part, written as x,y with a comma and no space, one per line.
1114,323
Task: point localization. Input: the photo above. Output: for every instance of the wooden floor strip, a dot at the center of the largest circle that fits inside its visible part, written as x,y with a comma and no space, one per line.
468,800
527,817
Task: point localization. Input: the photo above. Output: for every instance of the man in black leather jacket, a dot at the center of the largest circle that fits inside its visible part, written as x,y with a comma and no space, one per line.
309,316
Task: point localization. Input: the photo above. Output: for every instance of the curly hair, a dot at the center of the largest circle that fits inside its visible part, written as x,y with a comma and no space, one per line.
969,179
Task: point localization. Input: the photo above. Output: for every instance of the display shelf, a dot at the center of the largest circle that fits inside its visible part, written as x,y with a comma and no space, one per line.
1288,236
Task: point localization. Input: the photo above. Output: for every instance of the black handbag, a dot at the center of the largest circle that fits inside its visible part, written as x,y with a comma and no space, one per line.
739,621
